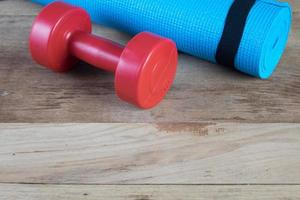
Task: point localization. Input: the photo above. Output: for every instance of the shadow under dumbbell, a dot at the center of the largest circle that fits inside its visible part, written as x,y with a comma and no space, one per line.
93,77
82,69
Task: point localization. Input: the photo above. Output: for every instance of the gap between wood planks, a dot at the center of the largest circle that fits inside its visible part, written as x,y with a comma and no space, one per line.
151,184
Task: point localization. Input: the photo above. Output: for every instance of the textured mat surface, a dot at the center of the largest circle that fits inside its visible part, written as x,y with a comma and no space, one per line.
197,26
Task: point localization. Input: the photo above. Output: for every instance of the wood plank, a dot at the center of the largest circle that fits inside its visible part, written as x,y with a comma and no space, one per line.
148,192
225,153
202,91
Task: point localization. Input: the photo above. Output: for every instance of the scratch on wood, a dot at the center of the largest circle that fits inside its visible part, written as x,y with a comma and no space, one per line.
37,151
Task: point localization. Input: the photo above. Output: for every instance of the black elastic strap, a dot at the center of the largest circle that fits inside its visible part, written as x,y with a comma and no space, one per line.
233,31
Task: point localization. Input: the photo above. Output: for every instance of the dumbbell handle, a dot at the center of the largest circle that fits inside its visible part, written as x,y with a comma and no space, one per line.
99,52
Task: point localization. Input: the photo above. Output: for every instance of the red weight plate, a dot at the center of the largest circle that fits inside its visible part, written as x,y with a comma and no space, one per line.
51,32
146,70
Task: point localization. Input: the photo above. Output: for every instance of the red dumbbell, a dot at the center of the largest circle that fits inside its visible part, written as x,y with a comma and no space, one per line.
144,69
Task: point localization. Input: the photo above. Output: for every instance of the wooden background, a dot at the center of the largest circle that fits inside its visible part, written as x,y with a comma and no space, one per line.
218,135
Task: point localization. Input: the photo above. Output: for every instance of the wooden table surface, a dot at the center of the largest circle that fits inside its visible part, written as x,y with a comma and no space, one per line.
219,134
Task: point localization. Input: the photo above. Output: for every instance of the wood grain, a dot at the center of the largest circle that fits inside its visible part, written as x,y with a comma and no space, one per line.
202,91
142,192
150,153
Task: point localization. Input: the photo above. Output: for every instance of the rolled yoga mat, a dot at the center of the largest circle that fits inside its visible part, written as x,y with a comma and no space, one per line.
197,27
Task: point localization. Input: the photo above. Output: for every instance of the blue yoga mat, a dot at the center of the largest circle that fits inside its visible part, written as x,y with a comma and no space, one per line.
197,26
